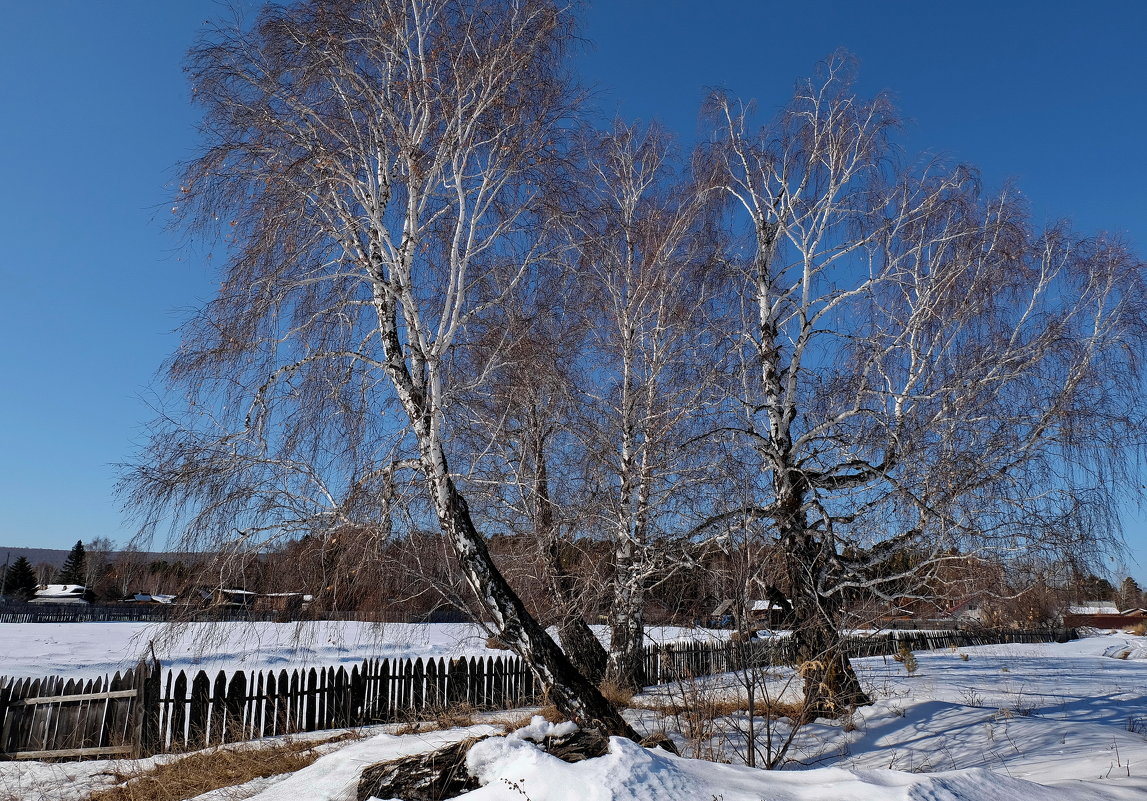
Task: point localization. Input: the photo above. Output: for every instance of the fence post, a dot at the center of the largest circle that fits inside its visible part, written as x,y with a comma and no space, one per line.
5,698
146,709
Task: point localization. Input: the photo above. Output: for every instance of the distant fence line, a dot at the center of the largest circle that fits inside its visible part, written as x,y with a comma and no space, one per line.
141,712
162,613
134,613
83,613
673,662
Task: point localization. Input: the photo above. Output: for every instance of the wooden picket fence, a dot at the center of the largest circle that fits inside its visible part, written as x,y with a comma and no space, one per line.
83,613
198,711
146,711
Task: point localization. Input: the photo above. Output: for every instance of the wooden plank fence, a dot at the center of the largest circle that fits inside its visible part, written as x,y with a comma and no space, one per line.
690,659
146,711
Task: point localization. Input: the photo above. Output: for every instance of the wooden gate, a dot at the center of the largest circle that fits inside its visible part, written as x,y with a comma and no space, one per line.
55,718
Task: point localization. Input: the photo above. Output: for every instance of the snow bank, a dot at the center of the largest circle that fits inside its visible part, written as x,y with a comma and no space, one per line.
513,768
1128,649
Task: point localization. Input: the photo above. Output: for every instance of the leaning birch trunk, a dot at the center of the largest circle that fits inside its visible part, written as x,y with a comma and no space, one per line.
567,689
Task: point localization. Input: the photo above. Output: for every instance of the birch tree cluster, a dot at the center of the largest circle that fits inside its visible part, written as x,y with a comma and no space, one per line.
453,301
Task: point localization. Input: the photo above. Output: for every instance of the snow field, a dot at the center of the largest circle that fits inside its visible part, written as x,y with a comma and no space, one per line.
88,650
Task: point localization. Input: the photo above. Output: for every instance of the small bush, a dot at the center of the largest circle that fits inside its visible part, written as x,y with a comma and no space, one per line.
906,657
965,657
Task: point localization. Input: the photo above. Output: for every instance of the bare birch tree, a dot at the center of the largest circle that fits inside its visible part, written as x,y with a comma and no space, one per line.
924,373
641,262
375,169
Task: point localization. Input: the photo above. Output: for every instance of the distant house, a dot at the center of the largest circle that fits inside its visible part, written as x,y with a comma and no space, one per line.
288,603
761,614
224,597
61,594
768,613
148,599
1102,615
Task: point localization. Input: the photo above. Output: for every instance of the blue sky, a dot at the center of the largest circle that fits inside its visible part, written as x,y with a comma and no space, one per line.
95,118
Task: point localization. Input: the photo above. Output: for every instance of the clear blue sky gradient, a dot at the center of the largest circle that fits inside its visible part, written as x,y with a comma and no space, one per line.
96,117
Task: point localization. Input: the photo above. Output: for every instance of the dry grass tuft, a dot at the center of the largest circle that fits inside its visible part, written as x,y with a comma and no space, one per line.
451,717
409,727
550,713
204,771
620,697
719,708
454,716
1139,629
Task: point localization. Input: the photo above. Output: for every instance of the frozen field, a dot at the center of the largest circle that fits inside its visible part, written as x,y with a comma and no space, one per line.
1009,723
88,650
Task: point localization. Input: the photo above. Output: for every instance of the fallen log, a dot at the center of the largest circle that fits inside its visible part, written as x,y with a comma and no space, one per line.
442,774
430,776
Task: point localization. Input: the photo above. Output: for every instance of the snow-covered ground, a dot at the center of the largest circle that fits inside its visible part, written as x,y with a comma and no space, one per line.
88,650
1055,722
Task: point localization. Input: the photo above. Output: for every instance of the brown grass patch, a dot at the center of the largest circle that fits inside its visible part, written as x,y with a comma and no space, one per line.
451,717
620,697
454,716
1139,629
719,708
550,713
204,771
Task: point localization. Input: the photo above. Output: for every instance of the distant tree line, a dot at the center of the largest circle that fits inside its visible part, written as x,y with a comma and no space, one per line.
413,577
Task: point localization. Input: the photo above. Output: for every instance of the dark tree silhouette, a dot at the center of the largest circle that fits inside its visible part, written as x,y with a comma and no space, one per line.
75,569
20,580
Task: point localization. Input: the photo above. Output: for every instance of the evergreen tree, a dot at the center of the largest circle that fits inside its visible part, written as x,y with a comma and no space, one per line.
75,566
1130,594
20,580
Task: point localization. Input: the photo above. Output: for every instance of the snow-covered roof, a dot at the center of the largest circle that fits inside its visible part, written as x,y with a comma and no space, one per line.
1094,608
722,608
146,597
60,590
765,606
